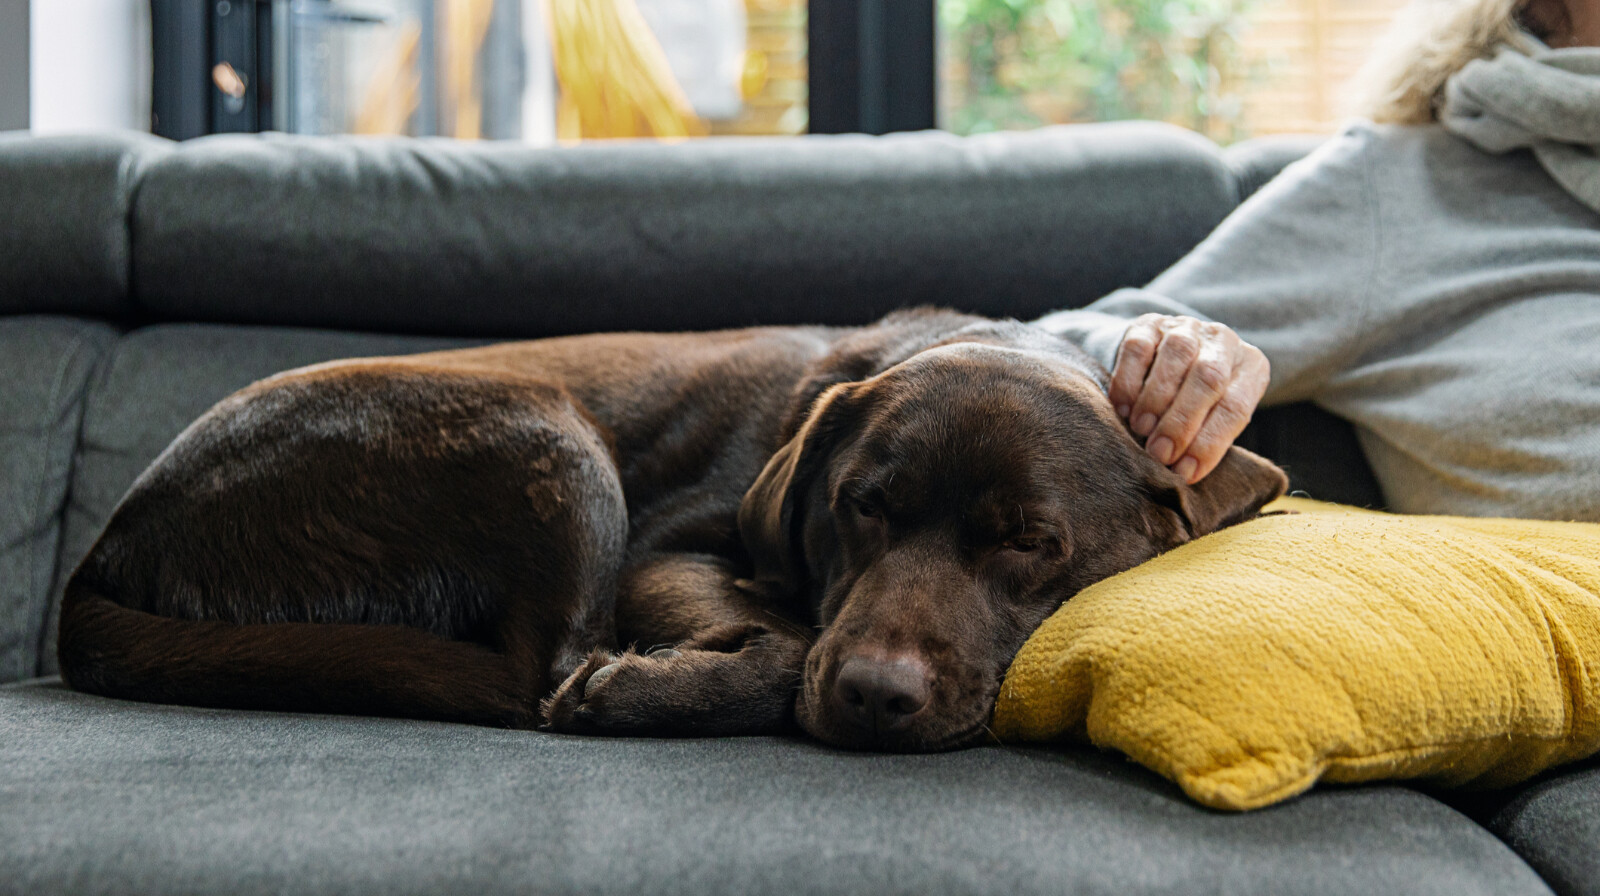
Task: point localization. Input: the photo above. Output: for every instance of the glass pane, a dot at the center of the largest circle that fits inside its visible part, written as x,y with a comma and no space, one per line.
678,68
1226,68
418,67
536,70
772,77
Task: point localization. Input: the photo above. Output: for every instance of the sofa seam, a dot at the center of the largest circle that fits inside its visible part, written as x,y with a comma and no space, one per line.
90,380
39,609
132,181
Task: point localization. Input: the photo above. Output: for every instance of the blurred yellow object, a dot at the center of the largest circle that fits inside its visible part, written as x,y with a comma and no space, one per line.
394,89
614,76
464,24
753,77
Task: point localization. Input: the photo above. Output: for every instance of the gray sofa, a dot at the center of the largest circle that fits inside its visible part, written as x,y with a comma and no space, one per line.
141,280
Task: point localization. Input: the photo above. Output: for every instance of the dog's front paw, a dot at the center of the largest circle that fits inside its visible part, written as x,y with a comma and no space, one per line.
567,709
745,688
626,693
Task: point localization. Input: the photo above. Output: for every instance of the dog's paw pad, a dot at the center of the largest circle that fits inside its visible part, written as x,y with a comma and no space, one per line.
565,709
600,677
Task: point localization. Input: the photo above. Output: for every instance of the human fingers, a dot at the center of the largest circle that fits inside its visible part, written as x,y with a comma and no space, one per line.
1228,417
1134,354
1203,385
1179,347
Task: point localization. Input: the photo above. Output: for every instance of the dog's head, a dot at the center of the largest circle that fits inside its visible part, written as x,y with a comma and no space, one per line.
935,513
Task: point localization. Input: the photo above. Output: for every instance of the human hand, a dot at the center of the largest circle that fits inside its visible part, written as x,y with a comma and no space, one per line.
1189,386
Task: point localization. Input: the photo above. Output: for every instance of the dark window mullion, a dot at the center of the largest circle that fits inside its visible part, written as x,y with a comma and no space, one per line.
180,103
871,65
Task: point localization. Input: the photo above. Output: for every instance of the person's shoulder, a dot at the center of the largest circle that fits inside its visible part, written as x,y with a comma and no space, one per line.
1374,156
1399,145
1358,142
1339,163
1430,159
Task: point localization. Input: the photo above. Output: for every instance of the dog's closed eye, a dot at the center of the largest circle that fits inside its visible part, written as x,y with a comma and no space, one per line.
863,507
1023,545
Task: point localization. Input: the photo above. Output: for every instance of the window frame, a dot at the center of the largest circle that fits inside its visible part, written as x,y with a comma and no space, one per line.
872,66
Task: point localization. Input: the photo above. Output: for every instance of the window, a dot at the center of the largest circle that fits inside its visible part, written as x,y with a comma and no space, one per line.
569,70
1227,68
531,70
677,68
1303,52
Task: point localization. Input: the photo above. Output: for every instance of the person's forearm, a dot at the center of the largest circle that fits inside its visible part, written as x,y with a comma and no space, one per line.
1098,328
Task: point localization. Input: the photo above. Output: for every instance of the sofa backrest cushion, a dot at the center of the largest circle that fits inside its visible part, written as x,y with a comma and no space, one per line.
1254,162
46,364
497,240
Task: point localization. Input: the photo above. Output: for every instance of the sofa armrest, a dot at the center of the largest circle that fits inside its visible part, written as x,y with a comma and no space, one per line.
64,243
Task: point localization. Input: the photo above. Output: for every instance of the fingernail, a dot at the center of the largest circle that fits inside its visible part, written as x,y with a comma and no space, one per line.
1186,468
1161,449
1144,424
1123,411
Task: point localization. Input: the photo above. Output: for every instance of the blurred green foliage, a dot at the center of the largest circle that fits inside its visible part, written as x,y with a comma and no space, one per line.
1023,63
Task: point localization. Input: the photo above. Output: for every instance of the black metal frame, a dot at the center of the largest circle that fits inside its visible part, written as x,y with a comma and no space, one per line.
189,38
872,66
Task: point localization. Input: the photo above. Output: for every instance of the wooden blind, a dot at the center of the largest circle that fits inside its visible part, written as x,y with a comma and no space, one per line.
1303,52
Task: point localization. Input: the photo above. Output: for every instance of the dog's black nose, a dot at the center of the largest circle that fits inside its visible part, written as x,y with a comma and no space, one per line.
883,693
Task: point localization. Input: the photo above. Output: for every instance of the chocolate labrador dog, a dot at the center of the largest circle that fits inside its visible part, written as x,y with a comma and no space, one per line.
689,534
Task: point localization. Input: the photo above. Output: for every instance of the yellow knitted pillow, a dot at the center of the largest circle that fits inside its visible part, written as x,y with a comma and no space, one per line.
1331,643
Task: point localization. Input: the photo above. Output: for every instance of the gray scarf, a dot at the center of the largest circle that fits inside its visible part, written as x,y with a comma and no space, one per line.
1547,101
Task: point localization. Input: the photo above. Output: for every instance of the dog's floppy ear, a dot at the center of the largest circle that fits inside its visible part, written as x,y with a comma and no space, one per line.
1235,491
770,515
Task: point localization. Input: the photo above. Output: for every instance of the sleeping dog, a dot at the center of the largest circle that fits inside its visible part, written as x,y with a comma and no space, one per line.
657,534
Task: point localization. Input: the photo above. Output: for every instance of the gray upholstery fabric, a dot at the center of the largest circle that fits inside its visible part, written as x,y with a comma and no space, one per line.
1555,825
1254,162
65,202
45,365
155,382
105,797
440,237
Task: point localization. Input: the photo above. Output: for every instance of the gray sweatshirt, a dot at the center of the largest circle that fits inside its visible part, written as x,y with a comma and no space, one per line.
1444,300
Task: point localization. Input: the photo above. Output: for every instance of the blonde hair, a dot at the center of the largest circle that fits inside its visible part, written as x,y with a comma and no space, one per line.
1403,81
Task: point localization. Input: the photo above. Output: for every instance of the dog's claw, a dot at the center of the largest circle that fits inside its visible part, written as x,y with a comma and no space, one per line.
599,678
566,709
664,653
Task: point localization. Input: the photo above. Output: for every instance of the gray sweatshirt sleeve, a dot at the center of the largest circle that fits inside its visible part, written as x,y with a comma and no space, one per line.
1292,270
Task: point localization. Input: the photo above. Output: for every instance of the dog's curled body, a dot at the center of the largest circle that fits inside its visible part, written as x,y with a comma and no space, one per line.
504,535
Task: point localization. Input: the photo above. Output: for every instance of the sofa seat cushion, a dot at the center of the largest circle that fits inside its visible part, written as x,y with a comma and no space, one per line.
103,796
1555,825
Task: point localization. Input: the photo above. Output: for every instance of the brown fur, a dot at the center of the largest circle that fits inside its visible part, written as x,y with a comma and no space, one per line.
637,533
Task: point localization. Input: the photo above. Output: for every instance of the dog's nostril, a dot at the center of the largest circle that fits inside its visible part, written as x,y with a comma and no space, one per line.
904,706
881,693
